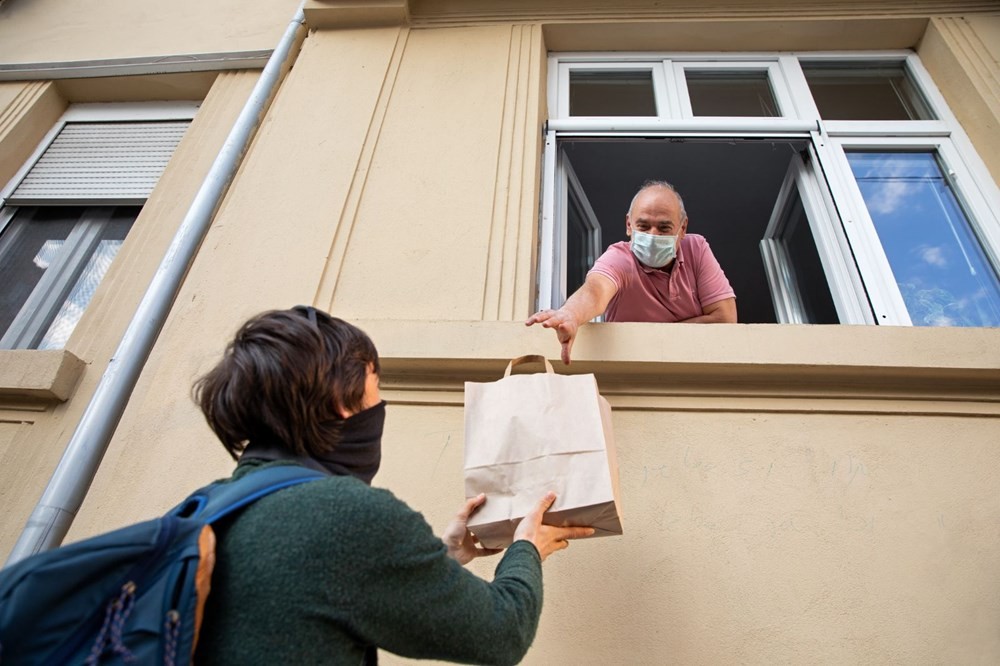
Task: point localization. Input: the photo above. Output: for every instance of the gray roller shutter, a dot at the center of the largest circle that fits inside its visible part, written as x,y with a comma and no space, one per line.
106,162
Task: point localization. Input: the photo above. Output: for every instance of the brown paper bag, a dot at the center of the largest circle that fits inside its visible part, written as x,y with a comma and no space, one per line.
529,433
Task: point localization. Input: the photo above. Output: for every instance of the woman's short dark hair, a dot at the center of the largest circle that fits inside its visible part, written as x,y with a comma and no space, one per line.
284,380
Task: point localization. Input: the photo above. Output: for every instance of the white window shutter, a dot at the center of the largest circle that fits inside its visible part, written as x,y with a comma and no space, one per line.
100,162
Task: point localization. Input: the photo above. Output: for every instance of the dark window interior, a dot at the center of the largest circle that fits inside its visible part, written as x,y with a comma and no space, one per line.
817,303
729,188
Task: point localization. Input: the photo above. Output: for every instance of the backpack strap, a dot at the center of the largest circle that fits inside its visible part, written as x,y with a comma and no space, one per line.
219,499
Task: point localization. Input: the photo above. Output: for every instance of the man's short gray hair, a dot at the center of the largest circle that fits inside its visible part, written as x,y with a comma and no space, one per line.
649,184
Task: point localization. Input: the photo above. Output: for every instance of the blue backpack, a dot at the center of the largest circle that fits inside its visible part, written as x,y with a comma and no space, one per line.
135,595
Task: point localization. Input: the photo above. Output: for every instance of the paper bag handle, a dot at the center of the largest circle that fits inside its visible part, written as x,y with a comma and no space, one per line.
530,358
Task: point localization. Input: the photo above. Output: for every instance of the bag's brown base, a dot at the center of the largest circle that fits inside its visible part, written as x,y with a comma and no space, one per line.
603,517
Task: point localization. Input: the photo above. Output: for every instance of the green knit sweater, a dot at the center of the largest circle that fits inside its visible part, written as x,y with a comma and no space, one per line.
318,573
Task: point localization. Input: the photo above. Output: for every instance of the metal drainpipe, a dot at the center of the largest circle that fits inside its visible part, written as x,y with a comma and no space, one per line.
52,516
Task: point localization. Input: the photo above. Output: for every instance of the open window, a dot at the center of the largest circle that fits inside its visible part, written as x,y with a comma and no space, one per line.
832,188
729,187
67,212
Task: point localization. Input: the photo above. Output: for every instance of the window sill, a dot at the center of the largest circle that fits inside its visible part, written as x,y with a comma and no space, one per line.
39,376
773,367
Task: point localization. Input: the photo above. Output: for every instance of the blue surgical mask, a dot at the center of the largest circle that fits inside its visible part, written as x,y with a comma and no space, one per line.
652,250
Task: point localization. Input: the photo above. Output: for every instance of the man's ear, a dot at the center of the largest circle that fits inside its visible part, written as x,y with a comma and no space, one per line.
628,226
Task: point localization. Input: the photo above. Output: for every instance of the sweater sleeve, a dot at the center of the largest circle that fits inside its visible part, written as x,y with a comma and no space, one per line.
417,602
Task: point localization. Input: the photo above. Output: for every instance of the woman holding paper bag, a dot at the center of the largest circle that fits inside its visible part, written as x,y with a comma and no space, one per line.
328,571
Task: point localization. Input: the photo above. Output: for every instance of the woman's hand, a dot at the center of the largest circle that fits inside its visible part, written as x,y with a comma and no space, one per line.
462,545
546,538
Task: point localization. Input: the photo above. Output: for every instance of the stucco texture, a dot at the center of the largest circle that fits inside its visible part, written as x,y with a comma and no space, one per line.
33,31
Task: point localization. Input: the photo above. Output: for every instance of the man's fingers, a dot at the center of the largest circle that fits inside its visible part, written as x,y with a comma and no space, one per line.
567,348
538,317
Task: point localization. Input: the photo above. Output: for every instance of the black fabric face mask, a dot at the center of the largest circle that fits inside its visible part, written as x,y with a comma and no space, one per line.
359,451
357,454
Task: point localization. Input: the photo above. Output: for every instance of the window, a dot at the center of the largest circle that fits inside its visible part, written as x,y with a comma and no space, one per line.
870,90
68,211
611,93
833,188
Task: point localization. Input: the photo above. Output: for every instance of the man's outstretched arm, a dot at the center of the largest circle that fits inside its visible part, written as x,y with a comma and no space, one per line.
587,302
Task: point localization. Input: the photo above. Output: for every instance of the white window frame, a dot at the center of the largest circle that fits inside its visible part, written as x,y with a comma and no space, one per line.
861,284
673,103
660,95
775,79
844,281
886,299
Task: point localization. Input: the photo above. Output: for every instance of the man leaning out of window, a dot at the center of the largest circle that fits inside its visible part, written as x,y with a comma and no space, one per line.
661,274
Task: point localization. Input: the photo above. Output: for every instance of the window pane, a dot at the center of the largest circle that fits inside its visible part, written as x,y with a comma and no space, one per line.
817,303
55,256
69,314
941,270
30,244
730,93
611,93
865,91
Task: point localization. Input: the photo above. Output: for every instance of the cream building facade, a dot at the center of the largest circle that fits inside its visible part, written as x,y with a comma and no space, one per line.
793,492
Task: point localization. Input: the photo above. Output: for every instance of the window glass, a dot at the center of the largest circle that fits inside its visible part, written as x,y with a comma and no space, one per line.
865,91
27,248
937,261
806,268
112,235
51,261
611,93
730,93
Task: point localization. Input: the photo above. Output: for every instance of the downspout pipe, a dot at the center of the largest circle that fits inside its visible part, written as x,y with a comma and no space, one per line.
52,516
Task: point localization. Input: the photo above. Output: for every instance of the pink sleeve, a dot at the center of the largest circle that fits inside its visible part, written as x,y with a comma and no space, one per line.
612,265
713,286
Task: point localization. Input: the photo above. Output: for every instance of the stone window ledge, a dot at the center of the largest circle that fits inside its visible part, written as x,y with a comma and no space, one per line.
938,369
39,376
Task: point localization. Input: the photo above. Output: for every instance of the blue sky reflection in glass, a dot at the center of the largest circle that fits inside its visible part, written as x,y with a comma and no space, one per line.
937,261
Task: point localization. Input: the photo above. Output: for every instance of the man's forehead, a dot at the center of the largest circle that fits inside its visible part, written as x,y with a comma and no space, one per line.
656,205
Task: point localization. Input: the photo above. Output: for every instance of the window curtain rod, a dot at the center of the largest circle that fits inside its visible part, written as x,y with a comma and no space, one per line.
54,513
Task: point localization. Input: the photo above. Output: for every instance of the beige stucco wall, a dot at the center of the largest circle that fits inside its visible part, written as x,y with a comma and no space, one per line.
791,494
34,31
963,56
761,538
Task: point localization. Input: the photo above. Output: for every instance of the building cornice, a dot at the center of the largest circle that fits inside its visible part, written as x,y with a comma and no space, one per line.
322,14
159,64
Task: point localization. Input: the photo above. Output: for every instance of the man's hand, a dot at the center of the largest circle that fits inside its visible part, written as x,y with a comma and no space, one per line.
462,545
587,302
565,324
546,538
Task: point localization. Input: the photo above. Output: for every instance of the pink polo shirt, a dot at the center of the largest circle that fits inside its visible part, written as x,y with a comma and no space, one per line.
649,294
